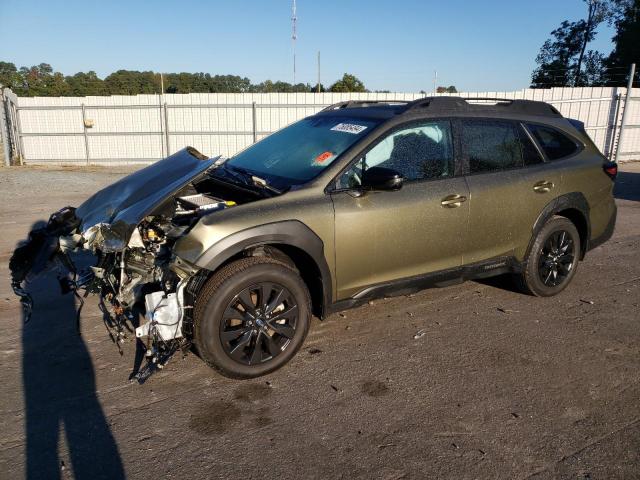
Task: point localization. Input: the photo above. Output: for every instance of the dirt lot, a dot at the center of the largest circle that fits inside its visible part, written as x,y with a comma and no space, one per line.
499,385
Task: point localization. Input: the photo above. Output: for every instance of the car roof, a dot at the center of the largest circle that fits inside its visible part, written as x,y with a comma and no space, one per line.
374,112
445,105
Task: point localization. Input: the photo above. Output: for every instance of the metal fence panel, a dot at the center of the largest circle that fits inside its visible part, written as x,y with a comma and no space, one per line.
143,128
630,147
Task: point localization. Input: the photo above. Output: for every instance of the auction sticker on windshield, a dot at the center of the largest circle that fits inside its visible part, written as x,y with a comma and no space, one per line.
324,157
349,128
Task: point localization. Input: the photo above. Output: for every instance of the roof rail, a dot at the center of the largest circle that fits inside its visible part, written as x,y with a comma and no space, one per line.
439,102
449,103
489,99
530,107
362,103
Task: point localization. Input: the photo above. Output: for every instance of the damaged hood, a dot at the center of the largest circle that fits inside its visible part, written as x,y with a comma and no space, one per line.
114,212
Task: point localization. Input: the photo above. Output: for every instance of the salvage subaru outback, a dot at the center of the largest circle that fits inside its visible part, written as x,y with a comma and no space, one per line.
362,200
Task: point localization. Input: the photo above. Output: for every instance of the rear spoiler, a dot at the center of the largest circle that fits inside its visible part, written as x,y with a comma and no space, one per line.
578,125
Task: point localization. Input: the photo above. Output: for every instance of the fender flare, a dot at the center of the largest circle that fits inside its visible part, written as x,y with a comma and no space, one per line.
573,200
289,232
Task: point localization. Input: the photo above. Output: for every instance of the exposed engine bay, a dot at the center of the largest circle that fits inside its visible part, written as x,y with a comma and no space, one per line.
131,228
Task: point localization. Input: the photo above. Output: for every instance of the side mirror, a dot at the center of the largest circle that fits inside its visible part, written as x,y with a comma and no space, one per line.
383,179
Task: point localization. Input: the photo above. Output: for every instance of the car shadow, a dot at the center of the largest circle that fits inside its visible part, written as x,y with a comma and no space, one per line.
502,282
60,391
627,186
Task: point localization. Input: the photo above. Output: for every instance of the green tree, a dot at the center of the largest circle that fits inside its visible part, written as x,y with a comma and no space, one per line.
593,71
626,40
82,84
57,86
564,59
131,82
348,83
229,84
9,76
42,80
557,59
39,80
269,86
597,12
449,89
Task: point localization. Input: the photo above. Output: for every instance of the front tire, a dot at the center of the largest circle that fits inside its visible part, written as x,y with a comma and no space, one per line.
553,259
251,317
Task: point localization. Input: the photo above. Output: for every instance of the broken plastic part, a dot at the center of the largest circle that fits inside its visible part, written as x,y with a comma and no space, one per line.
164,316
69,243
102,237
136,240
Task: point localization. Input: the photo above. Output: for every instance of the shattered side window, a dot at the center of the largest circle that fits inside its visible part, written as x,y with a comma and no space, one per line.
422,151
491,145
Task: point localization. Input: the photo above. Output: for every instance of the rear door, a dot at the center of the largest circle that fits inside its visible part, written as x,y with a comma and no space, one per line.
509,185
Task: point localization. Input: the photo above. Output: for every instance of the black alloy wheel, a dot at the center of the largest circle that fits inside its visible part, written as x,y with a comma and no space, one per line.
251,316
556,259
259,323
552,260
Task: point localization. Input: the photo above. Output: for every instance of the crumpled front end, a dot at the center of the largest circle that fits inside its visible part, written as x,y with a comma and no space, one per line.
130,228
40,252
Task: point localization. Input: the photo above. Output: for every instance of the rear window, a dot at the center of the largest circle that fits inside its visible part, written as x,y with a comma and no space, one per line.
554,144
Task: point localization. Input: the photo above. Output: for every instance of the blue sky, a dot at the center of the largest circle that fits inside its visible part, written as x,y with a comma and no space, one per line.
389,44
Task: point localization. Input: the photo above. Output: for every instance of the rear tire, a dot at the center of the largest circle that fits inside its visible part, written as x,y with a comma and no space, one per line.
552,260
251,317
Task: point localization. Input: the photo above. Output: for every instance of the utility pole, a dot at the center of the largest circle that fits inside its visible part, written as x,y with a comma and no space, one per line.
318,71
163,118
435,81
294,37
625,112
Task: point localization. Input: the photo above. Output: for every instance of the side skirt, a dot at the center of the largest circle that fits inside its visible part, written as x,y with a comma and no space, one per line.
442,278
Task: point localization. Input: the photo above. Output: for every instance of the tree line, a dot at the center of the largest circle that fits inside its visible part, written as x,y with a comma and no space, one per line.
42,81
566,61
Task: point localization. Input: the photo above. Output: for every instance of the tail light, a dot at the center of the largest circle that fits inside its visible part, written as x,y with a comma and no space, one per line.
611,169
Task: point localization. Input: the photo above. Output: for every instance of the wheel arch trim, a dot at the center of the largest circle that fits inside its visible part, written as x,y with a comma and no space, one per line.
568,201
288,232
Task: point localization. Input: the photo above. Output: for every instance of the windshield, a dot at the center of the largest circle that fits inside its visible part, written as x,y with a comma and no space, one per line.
299,152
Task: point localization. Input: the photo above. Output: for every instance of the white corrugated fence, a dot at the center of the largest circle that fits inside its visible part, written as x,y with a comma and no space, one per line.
143,128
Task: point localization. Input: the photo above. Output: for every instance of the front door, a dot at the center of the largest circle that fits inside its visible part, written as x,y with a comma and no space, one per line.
381,237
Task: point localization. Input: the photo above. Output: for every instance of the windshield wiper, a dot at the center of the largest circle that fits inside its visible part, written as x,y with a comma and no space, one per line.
254,179
261,182
233,173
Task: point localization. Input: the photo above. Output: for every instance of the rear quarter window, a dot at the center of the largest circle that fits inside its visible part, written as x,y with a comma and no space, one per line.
555,145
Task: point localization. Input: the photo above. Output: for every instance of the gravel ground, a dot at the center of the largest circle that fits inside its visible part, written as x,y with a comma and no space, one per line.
495,385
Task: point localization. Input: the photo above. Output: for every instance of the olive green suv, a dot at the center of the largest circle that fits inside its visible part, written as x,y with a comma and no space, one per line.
362,200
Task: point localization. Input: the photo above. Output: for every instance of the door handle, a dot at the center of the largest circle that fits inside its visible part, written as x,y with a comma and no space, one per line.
453,201
543,186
